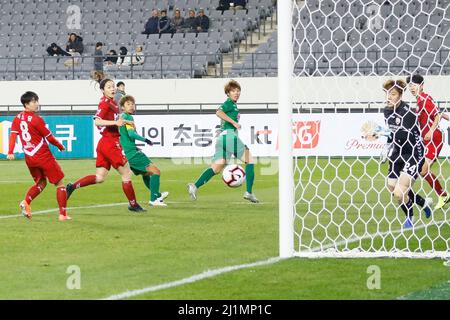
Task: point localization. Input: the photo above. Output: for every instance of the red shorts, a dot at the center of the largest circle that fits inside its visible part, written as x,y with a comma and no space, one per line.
434,146
110,153
48,169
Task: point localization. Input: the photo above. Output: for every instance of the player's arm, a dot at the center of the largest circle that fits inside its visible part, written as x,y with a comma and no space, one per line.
109,123
222,115
134,135
445,116
12,144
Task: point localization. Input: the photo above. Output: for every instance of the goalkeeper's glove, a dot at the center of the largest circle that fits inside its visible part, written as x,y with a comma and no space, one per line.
386,151
147,141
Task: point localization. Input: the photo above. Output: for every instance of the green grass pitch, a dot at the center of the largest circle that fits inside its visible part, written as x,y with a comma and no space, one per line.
117,250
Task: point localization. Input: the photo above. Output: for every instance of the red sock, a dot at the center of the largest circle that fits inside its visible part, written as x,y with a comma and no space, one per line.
129,192
32,193
86,181
61,196
434,183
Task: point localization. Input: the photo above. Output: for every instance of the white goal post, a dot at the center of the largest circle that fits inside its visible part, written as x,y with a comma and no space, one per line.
333,58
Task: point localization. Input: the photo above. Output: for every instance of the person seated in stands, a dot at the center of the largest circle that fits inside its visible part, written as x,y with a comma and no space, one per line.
163,23
202,21
190,23
75,44
177,21
231,4
111,58
138,57
54,50
151,27
124,59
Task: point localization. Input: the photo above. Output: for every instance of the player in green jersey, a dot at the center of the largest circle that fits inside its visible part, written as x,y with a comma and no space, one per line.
228,144
140,164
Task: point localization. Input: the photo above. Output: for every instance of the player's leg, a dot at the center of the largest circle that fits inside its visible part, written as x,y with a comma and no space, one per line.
55,176
127,187
61,197
219,160
210,172
40,182
103,165
249,175
156,197
430,177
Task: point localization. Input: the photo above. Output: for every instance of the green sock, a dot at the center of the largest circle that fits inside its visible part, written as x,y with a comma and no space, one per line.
146,180
205,177
249,176
154,187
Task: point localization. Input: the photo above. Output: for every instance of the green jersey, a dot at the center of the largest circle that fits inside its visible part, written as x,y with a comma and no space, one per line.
128,136
230,108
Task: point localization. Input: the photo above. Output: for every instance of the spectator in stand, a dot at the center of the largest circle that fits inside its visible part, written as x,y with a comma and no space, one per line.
111,58
75,44
98,57
190,23
54,50
138,57
202,21
151,26
163,23
120,92
123,60
177,22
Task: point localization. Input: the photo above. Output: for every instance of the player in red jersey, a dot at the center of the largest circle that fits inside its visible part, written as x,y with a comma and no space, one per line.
109,151
34,135
429,117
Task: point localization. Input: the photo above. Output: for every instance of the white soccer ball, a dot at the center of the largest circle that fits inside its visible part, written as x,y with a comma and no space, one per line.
233,175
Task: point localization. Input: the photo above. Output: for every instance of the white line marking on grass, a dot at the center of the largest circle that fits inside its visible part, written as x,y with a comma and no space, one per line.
216,272
204,275
68,209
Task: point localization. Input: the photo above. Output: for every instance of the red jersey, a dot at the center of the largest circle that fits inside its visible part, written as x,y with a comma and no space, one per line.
33,133
108,110
427,112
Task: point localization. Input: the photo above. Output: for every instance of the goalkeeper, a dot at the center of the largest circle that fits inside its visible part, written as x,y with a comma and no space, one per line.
406,154
140,164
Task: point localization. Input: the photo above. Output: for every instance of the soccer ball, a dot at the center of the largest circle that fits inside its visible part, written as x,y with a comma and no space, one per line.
233,175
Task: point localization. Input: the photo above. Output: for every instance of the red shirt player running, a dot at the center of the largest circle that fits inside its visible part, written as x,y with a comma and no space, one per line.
40,161
429,117
109,150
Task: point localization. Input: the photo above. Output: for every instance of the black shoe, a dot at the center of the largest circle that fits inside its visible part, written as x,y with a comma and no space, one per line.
136,208
70,188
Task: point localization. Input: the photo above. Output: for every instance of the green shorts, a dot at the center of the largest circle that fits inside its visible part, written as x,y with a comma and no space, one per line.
228,144
139,163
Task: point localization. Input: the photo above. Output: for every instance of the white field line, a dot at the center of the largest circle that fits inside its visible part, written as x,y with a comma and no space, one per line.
212,273
71,208
204,275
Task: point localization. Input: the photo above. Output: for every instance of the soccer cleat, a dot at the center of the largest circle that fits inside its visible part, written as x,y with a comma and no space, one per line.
250,197
157,203
443,200
427,207
69,189
408,223
25,209
192,189
163,195
64,218
136,208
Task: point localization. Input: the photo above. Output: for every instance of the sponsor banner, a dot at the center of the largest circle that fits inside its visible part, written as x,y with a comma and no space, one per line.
327,134
74,132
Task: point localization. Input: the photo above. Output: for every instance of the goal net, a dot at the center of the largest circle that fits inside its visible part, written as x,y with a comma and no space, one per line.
340,54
